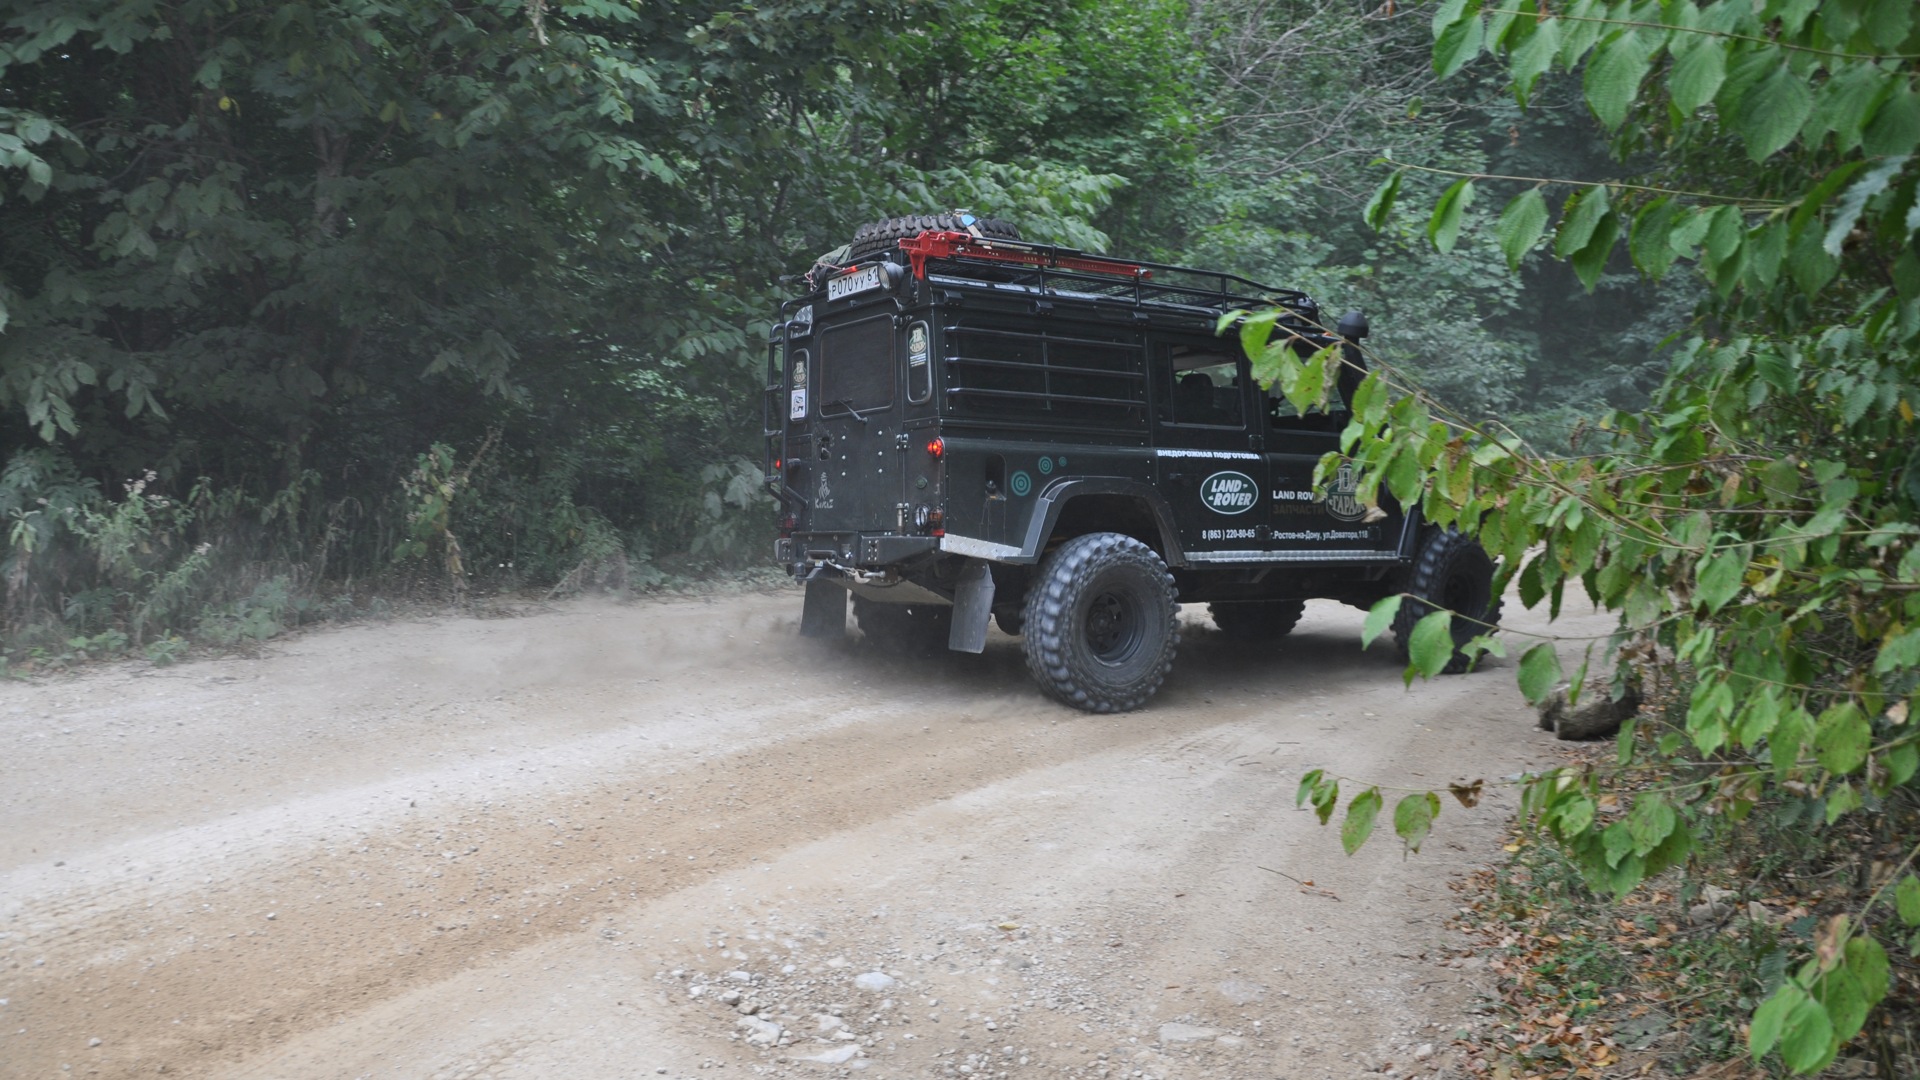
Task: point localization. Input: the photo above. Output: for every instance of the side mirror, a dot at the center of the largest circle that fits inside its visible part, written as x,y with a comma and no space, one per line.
1353,326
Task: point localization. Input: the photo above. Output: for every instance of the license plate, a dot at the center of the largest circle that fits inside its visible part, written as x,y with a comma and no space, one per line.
857,282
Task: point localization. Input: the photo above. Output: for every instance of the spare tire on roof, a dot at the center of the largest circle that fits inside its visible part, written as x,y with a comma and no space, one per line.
883,235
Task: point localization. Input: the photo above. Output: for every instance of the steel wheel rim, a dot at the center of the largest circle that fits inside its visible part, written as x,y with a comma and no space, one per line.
1112,626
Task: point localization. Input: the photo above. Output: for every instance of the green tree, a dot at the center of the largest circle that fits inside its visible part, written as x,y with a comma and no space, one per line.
1755,527
288,248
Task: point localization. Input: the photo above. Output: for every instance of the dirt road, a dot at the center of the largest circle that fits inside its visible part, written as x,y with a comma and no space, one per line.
588,841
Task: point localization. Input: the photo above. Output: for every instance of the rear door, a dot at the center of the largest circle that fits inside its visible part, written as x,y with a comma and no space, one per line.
853,415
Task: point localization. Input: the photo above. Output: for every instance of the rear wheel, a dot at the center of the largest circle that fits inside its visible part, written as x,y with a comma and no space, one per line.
883,235
1100,630
1266,620
1455,573
904,629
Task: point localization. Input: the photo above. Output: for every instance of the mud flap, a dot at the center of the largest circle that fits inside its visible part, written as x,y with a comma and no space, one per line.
972,607
825,612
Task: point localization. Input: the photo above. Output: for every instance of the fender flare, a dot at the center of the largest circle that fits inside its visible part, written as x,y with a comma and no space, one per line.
1055,496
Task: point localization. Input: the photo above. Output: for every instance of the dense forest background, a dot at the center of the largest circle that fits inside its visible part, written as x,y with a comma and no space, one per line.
299,300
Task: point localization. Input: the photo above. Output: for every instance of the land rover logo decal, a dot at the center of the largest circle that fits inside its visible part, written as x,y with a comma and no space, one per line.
1341,504
1229,492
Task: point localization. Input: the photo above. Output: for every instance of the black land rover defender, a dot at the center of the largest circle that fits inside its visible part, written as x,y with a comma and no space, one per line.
961,426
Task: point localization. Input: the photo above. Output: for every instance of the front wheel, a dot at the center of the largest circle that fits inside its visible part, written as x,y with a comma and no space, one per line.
1455,573
1100,623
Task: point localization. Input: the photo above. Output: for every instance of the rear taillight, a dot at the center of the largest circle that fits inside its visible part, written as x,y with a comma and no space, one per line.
936,447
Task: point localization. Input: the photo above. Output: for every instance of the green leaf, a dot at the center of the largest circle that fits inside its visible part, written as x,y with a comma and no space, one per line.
1867,962
1812,268
1616,842
1842,799
1575,817
1697,74
1534,57
1430,646
1650,821
1841,738
1359,823
1443,229
1888,22
1719,578
1450,12
1307,785
1650,240
1325,799
1690,230
1521,225
1906,899
1853,202
1457,44
1379,617
1381,205
1771,1018
1816,197
1845,103
1577,223
1590,261
1413,818
1895,127
1806,1039
1898,651
1841,995
1539,672
1724,233
1613,77
1771,114
1902,762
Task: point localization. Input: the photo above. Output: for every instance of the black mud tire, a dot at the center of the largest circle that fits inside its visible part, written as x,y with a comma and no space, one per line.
1263,620
1101,623
1452,572
914,630
881,236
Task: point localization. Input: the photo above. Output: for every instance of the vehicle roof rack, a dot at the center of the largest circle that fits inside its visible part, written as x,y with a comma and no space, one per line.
1061,270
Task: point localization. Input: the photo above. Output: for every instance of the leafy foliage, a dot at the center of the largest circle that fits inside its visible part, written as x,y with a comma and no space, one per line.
279,252
1754,528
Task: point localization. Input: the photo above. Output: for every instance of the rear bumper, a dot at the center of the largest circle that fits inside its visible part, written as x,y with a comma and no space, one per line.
802,552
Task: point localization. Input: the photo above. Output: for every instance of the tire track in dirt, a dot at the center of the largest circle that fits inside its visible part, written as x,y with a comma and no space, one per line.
204,964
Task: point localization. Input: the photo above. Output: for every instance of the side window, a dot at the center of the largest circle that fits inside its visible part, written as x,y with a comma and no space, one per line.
1282,416
1199,385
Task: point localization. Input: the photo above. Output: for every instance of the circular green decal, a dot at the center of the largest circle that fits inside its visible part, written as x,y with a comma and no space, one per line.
1021,483
1046,465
